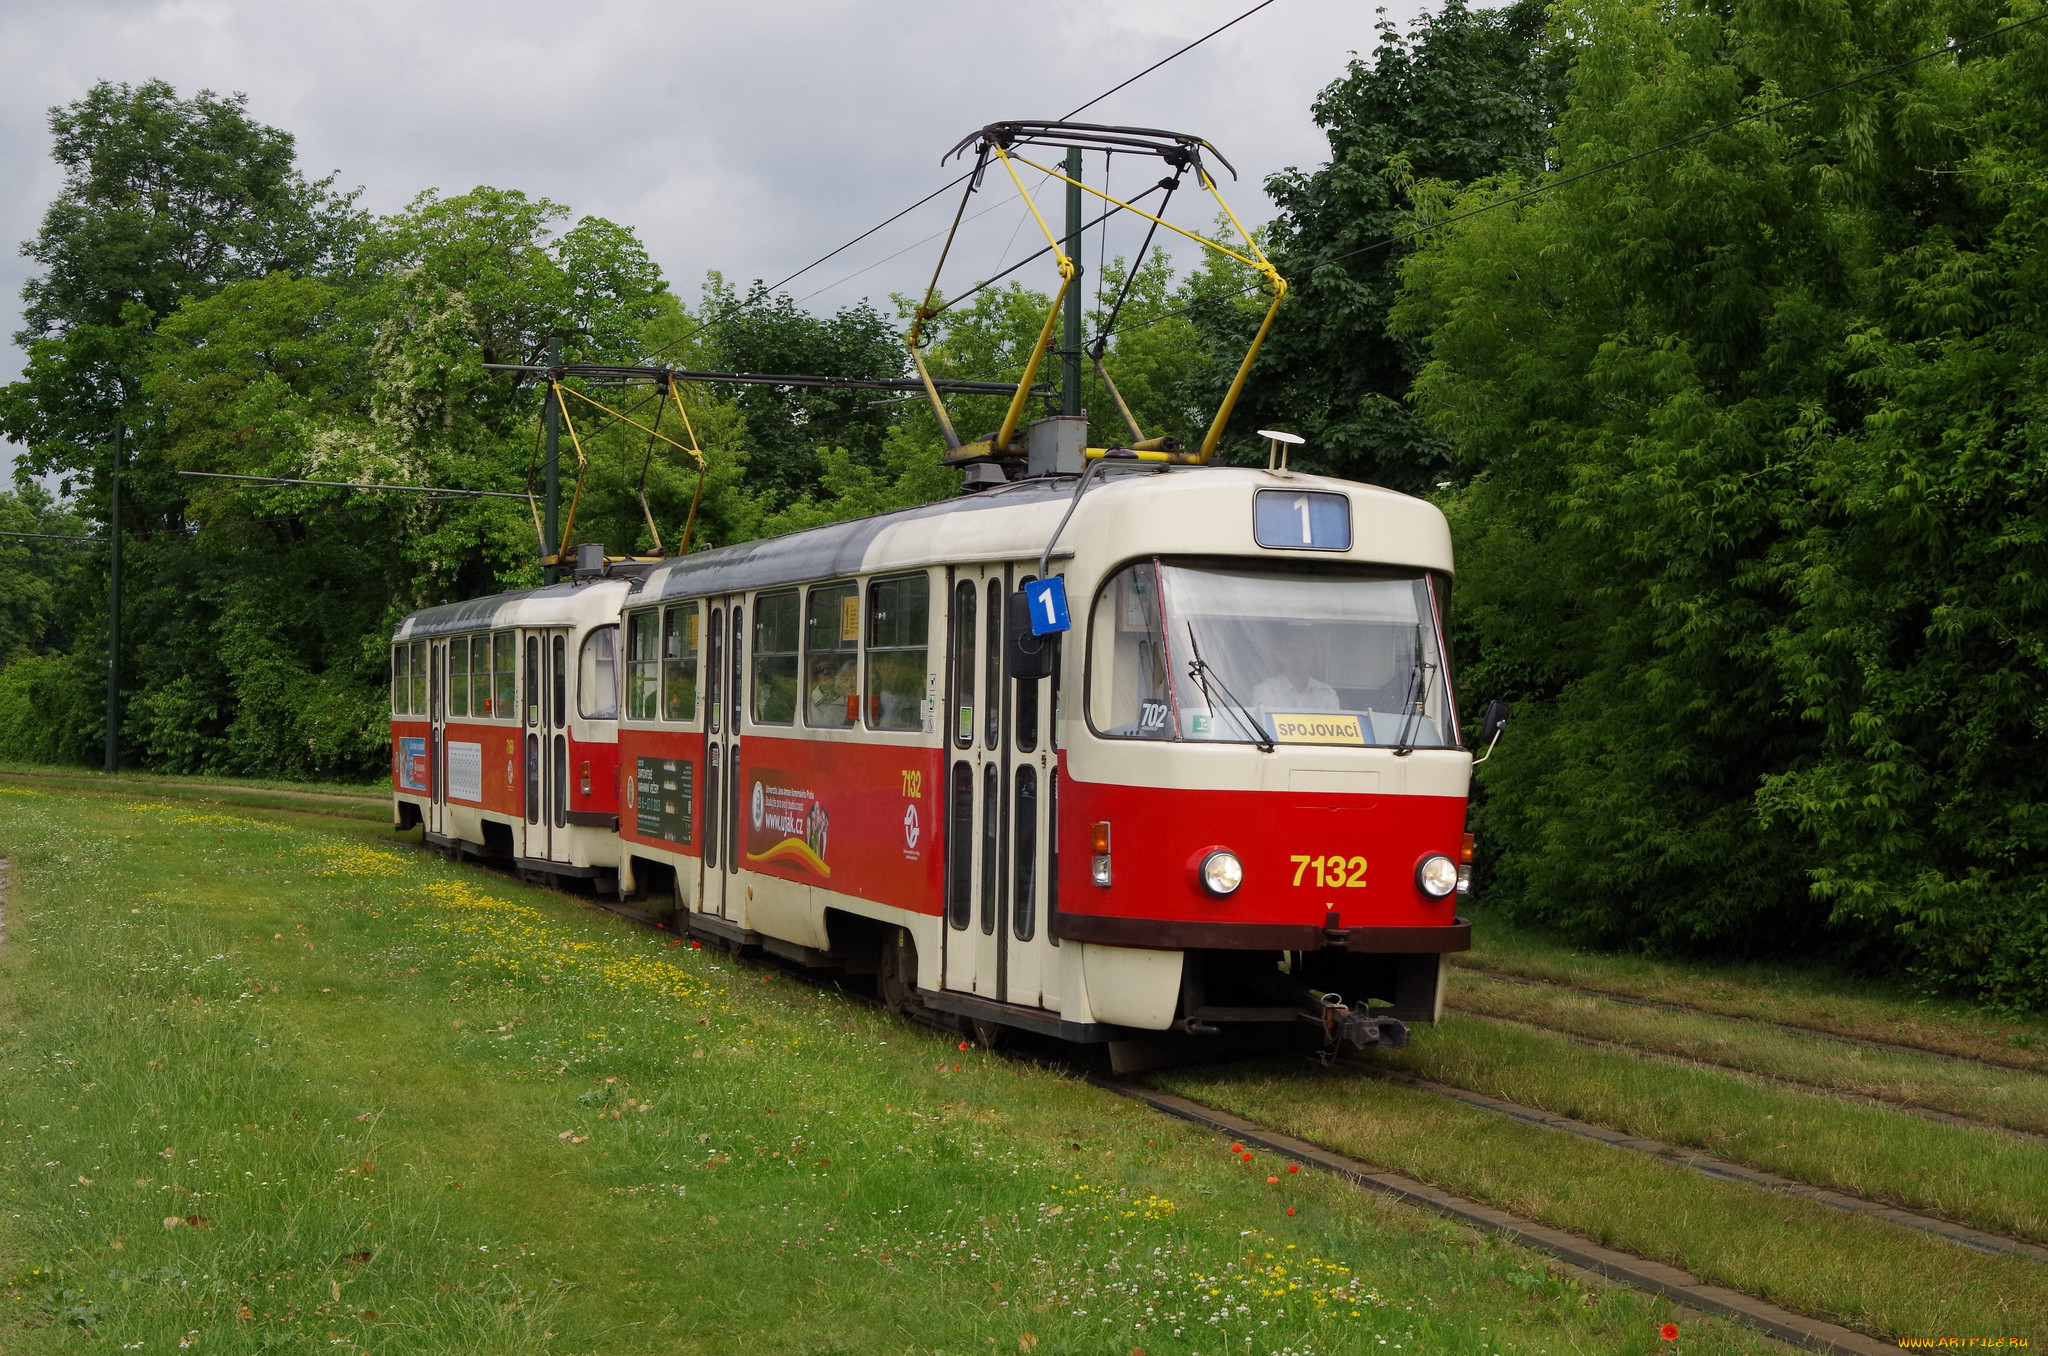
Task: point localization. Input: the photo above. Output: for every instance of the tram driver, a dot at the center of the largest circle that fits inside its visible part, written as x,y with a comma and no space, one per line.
1295,688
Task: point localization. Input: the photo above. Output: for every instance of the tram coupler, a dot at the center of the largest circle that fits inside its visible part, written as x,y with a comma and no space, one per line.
1361,1030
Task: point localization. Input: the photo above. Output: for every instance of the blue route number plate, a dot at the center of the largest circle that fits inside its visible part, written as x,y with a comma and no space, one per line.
1048,606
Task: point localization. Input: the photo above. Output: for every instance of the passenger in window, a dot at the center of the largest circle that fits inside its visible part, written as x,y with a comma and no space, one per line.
831,685
1295,688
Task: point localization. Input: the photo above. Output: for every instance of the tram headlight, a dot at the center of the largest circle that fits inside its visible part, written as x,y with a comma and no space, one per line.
1436,875
1221,872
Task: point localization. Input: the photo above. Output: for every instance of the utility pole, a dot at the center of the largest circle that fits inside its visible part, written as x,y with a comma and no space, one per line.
114,609
1070,380
553,462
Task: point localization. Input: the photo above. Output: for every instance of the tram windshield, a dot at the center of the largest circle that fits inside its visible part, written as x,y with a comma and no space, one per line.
1218,654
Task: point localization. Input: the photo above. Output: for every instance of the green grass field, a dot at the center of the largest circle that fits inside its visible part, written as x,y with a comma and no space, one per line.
275,1083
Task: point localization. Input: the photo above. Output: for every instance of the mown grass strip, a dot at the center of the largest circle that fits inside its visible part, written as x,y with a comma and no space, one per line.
1978,1175
2012,1098
1782,995
270,1086
370,804
1796,1253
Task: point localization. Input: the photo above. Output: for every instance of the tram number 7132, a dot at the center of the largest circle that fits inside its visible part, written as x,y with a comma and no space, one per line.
1331,872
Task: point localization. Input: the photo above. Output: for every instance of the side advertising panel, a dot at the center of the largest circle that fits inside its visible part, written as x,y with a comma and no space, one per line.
858,819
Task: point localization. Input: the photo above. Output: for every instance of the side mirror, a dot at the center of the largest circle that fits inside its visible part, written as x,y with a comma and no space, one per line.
1025,655
1495,721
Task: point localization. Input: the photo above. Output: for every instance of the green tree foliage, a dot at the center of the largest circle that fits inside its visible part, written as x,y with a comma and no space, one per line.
1467,94
1757,533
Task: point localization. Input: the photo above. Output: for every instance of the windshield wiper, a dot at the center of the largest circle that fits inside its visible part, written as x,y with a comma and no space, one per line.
1199,670
1418,676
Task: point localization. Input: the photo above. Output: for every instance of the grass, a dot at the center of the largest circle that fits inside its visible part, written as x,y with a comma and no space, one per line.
1840,1005
370,803
1998,1096
1980,1175
1853,1269
271,1084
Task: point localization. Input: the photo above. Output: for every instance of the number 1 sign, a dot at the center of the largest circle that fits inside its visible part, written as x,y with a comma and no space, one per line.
1048,606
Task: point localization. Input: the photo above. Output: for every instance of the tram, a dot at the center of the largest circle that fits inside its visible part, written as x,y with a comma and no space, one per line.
1214,796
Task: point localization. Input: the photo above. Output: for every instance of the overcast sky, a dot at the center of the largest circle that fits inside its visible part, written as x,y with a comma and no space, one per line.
747,137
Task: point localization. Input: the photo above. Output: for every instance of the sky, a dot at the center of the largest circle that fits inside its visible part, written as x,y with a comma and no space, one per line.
748,138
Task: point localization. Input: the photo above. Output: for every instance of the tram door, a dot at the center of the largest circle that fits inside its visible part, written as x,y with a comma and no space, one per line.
437,737
720,891
997,730
544,678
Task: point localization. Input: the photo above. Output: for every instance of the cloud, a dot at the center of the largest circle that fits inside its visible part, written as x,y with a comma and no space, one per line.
747,138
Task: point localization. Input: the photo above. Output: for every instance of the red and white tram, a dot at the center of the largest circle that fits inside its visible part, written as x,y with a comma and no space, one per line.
1235,801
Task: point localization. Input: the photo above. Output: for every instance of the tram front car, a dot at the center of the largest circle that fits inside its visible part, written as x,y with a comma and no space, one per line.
1263,770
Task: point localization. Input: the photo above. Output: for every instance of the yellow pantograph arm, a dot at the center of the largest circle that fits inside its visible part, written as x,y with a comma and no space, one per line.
576,498
657,433
1015,413
1258,261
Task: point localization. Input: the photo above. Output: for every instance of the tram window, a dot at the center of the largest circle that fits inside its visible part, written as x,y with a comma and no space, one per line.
419,678
480,676
1286,655
1024,843
714,666
991,845
505,674
401,692
963,663
561,680
832,656
1130,691
1024,696
898,632
597,675
679,662
993,670
960,845
711,793
643,665
533,680
775,636
1052,853
458,676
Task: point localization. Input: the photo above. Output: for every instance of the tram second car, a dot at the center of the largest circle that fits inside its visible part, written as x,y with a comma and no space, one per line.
1234,800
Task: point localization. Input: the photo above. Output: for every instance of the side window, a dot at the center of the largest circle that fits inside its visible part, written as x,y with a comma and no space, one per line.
458,676
505,675
419,677
560,673
715,667
533,680
832,657
679,662
898,621
401,686
1024,696
775,636
597,675
643,665
963,663
480,677
1128,662
992,672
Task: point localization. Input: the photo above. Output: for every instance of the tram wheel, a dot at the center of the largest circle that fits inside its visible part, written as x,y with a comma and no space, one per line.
990,1035
897,977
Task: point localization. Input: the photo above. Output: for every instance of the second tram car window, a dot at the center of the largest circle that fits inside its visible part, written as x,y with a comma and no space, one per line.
714,667
419,678
898,621
1024,843
963,663
832,657
480,677
458,676
991,845
775,652
643,665
400,685
1129,689
597,675
1024,693
505,675
533,680
960,845
679,662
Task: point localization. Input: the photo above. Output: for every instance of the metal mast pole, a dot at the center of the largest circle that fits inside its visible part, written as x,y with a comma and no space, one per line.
553,462
1070,379
114,609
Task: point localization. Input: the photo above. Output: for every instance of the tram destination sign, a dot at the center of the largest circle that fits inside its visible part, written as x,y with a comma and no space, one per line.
1317,728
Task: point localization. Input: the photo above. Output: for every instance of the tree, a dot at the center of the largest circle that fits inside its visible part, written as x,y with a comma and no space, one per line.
1757,521
1468,94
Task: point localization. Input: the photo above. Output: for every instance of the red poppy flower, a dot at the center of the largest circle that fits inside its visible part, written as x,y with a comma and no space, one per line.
1294,1167
1290,1209
1272,1181
1237,1148
963,1045
956,1068
696,946
1246,1155
1669,1332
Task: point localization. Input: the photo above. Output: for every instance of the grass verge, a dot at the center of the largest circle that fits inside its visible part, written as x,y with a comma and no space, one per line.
368,803
1979,1175
2009,1097
1836,1004
269,1086
1854,1270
